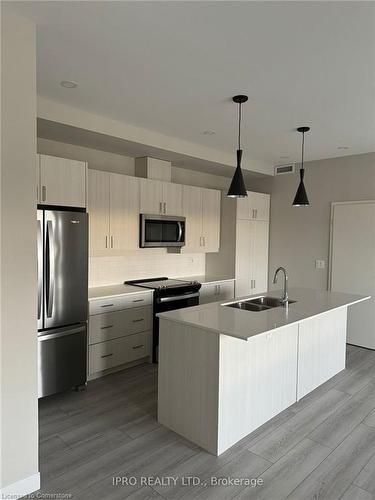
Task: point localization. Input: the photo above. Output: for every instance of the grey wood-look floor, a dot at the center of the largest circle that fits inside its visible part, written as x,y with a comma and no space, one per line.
323,447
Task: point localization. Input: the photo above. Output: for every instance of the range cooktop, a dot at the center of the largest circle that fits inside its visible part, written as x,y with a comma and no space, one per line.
160,283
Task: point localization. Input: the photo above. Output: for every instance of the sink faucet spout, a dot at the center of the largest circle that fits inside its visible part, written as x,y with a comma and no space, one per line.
285,292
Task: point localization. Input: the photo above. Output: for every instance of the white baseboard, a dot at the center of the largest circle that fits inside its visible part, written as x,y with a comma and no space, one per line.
21,488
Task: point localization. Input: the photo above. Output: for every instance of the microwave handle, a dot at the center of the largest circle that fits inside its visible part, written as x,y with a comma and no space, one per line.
179,231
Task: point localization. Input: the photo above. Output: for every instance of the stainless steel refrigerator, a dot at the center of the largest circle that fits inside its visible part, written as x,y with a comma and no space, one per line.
62,300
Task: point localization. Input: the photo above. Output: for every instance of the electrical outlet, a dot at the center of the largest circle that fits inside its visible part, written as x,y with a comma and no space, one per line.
320,264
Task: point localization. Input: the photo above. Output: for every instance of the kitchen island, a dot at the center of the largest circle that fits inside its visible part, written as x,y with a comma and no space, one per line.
224,371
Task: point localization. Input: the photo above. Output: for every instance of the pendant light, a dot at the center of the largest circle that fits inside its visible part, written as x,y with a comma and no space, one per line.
237,187
301,199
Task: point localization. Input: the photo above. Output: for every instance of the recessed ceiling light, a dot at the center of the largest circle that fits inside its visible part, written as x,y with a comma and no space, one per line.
209,132
342,147
68,84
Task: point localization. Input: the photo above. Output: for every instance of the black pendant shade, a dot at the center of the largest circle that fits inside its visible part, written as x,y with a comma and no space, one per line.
301,199
237,188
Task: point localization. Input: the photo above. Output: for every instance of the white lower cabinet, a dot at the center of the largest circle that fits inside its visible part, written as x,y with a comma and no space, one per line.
117,352
215,390
321,349
120,332
268,364
113,325
214,292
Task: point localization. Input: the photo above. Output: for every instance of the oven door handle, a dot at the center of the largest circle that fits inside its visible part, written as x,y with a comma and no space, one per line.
177,297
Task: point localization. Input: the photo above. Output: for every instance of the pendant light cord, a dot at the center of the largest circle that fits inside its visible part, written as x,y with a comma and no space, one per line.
239,125
303,148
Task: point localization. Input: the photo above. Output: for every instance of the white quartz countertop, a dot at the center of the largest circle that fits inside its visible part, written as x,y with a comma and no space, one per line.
105,292
242,324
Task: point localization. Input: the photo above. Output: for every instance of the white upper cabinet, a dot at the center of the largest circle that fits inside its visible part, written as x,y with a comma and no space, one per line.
124,212
172,198
113,205
151,196
192,210
201,207
255,207
211,219
98,208
158,197
62,182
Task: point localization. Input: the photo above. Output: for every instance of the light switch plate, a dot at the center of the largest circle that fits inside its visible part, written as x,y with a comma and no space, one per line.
320,264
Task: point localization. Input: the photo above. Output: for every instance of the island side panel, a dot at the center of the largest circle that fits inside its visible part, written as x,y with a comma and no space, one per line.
321,349
257,380
188,382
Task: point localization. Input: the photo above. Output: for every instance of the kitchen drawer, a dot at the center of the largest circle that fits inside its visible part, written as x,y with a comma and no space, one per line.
119,351
100,306
108,326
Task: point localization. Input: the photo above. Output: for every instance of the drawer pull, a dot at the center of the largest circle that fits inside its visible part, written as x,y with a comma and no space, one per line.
138,300
137,346
107,305
106,327
138,320
107,355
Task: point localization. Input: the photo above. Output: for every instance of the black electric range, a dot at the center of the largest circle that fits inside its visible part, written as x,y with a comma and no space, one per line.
169,294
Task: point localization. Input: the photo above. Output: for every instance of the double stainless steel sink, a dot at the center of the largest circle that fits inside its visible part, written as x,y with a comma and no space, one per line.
262,303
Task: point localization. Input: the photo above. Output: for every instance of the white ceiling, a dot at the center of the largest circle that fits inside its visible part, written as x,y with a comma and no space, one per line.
173,67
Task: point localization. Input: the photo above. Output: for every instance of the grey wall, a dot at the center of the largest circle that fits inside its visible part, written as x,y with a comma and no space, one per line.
299,235
19,399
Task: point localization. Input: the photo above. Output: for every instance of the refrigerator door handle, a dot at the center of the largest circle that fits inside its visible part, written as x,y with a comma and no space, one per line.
40,267
61,333
50,255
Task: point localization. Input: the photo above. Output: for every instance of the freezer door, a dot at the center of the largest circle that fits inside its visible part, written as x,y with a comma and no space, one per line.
39,229
65,270
62,357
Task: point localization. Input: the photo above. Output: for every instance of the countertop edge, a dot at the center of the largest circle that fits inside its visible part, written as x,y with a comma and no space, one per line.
246,338
113,295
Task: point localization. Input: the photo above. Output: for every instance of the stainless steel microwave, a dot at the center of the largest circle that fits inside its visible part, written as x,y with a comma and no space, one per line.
162,231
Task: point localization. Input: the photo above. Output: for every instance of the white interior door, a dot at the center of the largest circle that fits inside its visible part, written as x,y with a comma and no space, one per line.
353,265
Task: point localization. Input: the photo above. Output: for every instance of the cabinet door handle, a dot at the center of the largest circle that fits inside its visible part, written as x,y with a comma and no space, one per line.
44,193
256,213
204,241
138,320
200,241
165,207
106,327
218,289
138,300
107,355
107,305
111,241
137,346
160,207
106,241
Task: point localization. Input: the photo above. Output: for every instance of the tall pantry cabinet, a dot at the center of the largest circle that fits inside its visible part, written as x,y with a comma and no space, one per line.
252,241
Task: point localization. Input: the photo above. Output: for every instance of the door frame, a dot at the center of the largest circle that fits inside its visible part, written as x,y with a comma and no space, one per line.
333,205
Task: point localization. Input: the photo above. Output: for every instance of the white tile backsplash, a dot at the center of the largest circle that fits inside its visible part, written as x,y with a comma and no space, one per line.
143,264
